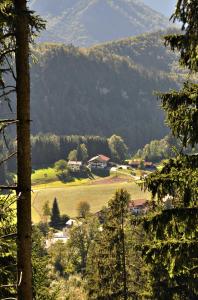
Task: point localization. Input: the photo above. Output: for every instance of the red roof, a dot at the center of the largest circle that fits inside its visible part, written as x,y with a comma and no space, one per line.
103,157
100,157
138,202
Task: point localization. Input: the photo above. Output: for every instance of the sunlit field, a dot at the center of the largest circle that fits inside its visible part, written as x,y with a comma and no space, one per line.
96,193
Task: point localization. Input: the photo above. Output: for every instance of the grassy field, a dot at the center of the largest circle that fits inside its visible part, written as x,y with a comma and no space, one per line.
44,176
69,195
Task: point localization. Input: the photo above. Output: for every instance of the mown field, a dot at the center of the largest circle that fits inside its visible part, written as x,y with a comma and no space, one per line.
95,192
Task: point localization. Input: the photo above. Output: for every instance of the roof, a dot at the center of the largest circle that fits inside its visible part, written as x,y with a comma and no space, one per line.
137,203
70,222
74,162
100,157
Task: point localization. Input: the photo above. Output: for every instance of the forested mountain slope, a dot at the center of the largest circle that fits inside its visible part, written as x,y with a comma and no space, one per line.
88,22
95,92
147,50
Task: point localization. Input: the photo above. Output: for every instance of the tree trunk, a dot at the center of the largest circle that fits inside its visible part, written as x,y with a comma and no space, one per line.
24,153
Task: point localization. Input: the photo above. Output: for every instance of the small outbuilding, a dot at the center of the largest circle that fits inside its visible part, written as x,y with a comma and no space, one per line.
75,165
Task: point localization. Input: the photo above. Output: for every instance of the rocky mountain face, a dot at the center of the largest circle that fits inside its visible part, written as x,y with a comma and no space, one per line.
88,22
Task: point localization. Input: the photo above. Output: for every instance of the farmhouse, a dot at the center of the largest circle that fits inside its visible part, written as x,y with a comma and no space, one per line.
98,162
139,206
75,165
58,236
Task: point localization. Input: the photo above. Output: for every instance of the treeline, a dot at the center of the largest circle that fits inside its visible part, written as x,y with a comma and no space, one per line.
47,149
165,148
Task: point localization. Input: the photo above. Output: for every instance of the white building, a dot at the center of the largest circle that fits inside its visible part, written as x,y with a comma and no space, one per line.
75,165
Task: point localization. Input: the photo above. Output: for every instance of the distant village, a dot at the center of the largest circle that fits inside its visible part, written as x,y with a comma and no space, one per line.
101,161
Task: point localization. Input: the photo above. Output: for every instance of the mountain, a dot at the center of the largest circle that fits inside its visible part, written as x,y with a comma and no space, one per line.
164,7
88,22
146,50
97,91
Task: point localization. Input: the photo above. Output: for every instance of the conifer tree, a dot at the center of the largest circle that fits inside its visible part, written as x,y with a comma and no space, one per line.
17,27
172,251
55,215
107,272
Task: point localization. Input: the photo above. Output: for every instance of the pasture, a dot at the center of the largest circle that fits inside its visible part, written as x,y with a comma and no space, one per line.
95,192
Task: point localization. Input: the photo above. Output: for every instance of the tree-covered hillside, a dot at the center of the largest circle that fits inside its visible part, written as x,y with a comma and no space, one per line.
87,22
146,50
95,92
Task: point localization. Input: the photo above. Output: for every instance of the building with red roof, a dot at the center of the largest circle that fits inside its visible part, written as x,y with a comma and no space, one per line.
99,161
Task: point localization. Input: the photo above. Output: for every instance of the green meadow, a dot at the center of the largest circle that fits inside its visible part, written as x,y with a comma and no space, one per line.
69,195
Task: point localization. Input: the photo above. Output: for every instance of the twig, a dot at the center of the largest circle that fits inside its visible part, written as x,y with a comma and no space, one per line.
9,121
8,157
5,140
7,236
11,70
5,187
7,93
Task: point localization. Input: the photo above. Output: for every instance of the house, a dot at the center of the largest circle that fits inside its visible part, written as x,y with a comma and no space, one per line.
70,223
98,162
59,236
75,165
135,163
139,206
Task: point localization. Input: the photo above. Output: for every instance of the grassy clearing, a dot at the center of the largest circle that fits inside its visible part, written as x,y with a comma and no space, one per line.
97,195
43,176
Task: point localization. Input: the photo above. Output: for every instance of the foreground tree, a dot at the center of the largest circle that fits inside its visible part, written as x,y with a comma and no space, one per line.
106,269
24,151
17,26
172,251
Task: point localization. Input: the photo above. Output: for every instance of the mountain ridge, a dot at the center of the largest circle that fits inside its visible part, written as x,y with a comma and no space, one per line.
88,22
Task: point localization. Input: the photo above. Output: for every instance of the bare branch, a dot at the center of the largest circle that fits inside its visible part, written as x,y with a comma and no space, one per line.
5,140
6,187
7,87
11,69
8,157
8,236
8,51
8,121
7,93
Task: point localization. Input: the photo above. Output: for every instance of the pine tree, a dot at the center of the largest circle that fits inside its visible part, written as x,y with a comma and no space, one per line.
172,251
107,273
17,26
55,215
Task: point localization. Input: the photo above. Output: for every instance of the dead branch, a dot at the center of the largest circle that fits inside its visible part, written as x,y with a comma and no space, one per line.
9,121
6,187
8,157
4,94
8,236
11,69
